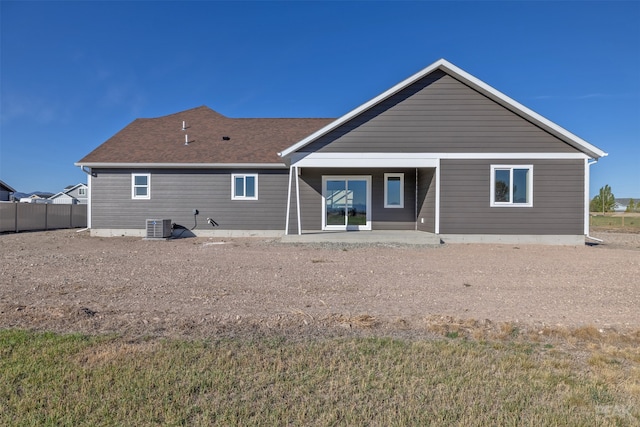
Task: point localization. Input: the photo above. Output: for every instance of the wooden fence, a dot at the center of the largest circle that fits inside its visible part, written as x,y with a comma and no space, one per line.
615,220
15,217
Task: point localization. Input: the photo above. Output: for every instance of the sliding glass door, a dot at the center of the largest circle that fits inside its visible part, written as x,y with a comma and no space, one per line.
346,202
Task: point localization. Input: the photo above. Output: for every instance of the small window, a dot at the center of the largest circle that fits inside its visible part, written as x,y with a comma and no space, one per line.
512,185
82,191
140,186
393,190
244,187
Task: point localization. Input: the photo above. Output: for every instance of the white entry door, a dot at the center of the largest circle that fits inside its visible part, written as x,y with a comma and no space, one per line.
346,203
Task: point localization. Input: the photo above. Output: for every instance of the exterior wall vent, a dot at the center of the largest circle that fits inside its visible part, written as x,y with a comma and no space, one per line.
158,228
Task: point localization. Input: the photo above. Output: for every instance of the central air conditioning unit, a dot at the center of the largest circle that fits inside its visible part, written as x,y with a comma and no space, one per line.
158,228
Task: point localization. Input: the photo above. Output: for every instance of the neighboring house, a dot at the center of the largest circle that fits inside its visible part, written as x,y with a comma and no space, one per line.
5,192
440,152
71,195
37,198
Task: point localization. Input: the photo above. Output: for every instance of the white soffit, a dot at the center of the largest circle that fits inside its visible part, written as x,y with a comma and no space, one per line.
474,83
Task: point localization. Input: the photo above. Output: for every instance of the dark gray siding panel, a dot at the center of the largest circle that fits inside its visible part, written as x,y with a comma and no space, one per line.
558,199
393,218
426,200
439,114
311,199
382,218
175,193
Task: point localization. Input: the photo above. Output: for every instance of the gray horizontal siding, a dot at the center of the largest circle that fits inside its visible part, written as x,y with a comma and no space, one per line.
426,200
439,114
175,193
558,199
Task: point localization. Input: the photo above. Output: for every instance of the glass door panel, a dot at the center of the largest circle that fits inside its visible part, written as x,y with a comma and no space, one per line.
336,202
356,203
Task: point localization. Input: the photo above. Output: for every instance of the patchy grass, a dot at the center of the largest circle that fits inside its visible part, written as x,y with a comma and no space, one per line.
581,377
617,221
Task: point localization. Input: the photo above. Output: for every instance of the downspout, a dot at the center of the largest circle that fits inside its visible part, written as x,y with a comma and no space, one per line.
587,171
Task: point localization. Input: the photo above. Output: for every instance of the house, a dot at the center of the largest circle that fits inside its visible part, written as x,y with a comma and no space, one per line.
440,152
71,195
42,198
5,192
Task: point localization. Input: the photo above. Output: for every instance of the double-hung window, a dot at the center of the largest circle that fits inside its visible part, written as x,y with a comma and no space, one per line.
393,190
140,186
244,187
512,185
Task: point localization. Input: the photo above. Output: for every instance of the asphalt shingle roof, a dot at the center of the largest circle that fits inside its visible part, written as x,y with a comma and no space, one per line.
162,139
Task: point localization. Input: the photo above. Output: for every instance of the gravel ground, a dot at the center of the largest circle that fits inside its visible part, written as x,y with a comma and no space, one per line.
66,281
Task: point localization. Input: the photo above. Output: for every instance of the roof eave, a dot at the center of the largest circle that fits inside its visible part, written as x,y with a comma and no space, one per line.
9,188
116,165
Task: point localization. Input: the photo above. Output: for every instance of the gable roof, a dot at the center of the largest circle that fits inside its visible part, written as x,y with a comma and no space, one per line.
160,142
475,84
70,188
7,187
60,194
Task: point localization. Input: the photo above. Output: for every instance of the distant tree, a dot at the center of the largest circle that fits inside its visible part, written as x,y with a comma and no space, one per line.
604,201
502,192
631,207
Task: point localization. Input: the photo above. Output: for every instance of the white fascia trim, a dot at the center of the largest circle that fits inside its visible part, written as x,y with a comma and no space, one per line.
185,165
373,160
473,82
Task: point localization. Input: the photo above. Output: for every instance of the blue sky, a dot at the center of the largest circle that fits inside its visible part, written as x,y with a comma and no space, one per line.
75,73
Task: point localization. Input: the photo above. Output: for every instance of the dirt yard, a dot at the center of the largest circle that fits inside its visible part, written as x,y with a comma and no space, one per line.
205,287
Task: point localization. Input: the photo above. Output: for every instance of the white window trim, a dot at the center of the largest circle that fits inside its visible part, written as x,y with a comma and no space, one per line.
511,204
386,178
82,191
244,176
133,186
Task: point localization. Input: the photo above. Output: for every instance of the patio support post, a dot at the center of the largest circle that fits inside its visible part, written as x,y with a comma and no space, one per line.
415,213
298,199
286,227
437,226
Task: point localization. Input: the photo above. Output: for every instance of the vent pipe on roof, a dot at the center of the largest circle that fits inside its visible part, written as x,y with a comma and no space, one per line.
186,139
184,125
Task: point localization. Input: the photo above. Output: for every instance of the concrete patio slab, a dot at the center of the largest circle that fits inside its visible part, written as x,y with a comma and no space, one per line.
407,237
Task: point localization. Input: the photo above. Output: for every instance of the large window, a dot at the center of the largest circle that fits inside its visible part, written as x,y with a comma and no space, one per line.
393,190
140,186
512,185
244,187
